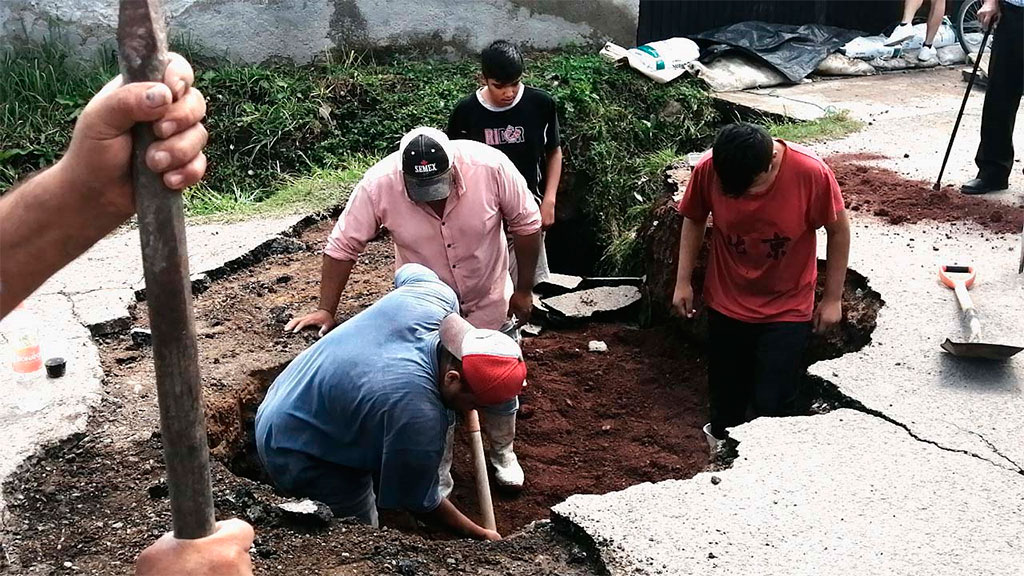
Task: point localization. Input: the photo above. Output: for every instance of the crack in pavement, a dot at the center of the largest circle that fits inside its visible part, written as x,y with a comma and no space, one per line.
855,404
1018,467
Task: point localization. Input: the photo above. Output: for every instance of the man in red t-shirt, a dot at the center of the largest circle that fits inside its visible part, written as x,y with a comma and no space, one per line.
768,198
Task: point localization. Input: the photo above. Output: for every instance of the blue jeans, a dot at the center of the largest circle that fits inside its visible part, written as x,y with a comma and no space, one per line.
347,491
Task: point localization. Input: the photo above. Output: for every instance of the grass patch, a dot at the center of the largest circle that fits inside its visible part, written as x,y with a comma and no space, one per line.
829,127
286,137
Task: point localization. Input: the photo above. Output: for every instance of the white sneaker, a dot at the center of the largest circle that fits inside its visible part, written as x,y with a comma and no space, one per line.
901,33
926,54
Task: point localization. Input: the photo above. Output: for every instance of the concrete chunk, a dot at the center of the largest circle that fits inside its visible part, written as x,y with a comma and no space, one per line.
586,303
104,311
556,284
305,513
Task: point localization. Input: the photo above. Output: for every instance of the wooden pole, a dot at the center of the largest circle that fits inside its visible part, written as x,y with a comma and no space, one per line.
483,487
142,44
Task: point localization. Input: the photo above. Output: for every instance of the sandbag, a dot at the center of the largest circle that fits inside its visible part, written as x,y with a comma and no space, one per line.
661,61
945,56
736,72
793,51
839,65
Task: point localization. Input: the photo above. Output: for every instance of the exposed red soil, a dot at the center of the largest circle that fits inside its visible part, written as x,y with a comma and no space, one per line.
590,423
894,198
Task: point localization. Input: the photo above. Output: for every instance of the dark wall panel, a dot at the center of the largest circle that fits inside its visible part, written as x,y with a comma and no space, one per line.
660,19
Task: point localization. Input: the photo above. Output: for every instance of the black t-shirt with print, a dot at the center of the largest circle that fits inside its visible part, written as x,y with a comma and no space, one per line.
526,131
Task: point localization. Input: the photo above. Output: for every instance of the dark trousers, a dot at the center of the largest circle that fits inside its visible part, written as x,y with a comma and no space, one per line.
1002,97
753,365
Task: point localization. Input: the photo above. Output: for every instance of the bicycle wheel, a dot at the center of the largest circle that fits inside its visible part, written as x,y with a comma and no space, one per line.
968,28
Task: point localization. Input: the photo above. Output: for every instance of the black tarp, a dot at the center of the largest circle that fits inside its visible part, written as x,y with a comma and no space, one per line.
795,51
661,19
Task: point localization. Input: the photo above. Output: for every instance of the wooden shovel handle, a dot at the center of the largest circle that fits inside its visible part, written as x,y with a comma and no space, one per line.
142,43
483,486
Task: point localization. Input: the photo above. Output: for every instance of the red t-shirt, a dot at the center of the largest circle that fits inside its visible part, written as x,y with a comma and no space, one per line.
763,246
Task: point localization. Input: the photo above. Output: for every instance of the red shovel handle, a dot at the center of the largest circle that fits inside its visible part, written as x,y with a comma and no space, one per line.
952,281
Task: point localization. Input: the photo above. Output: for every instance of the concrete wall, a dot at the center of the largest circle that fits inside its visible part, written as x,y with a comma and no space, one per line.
255,30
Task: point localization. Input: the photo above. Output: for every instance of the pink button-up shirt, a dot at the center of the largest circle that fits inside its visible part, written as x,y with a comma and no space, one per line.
466,247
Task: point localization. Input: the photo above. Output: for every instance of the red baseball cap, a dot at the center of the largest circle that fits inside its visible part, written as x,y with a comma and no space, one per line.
492,363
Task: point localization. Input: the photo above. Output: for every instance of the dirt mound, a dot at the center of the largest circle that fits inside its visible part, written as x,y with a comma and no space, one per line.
894,198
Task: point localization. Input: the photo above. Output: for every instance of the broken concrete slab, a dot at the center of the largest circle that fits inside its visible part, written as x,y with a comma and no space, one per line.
842,493
531,330
556,284
104,311
977,407
307,513
587,303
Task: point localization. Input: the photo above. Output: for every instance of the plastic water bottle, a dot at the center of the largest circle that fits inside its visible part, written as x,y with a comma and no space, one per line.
27,359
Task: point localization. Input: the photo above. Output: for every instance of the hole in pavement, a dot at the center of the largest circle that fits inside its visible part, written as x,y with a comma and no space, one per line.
590,422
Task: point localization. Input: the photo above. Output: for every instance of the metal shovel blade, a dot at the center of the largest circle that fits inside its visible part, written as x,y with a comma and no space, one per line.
980,350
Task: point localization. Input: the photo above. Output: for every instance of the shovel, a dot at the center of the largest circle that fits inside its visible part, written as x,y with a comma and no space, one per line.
960,278
483,487
142,42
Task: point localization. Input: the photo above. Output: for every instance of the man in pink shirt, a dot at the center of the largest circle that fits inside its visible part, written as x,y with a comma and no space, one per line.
446,204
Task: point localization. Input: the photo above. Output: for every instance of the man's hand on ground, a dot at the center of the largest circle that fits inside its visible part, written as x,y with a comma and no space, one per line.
490,535
98,159
827,315
547,214
521,305
682,300
223,553
322,318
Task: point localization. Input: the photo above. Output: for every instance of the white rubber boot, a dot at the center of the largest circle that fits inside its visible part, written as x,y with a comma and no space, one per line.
501,431
714,444
444,471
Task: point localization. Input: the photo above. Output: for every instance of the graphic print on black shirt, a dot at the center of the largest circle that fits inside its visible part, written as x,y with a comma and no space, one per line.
525,131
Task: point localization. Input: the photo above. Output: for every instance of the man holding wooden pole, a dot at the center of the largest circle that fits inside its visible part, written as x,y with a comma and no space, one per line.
359,420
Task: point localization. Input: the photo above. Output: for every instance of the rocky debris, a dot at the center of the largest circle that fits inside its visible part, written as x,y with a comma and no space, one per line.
587,303
597,346
556,284
305,513
200,283
158,490
280,315
283,245
531,330
142,337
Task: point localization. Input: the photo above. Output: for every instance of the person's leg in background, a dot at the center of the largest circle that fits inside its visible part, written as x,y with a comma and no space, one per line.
935,14
1002,99
780,368
905,30
730,371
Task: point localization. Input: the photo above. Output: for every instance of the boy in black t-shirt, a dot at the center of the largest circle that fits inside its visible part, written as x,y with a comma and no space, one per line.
520,121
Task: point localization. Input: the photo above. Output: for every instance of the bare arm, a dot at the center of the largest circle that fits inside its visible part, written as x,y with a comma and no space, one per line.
552,177
527,249
690,239
450,516
837,254
53,218
44,228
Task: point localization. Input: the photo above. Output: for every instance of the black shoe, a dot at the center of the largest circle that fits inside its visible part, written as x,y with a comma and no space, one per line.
979,186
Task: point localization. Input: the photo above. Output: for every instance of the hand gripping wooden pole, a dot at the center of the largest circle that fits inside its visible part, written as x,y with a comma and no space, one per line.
142,44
